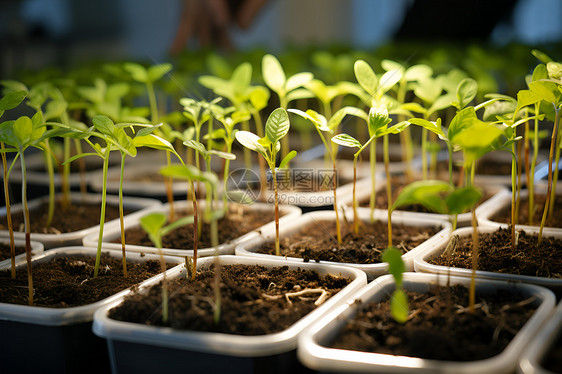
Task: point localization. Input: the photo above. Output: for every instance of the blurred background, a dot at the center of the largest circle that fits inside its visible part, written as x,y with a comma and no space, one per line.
35,34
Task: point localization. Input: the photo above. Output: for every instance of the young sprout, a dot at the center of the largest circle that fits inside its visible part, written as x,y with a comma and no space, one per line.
323,125
398,299
153,224
378,127
276,128
287,89
9,101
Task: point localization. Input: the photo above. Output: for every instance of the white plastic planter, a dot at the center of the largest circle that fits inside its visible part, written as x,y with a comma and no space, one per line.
56,340
502,200
135,347
75,238
421,262
36,248
314,353
113,231
250,247
531,358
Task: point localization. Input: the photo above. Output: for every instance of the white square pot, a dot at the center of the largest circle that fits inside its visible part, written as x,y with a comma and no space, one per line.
251,247
75,238
164,347
313,352
113,231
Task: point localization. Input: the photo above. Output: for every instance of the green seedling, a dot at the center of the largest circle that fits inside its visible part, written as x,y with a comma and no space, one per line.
211,215
9,101
378,122
286,88
398,299
323,125
153,224
276,128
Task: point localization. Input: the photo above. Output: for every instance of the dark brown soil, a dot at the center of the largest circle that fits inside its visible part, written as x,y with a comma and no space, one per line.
553,359
495,254
555,220
236,223
319,242
439,327
253,300
5,251
67,281
398,184
76,217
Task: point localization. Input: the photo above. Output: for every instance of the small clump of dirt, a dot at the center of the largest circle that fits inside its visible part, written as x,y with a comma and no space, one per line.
68,281
254,300
542,259
440,326
554,218
5,251
318,242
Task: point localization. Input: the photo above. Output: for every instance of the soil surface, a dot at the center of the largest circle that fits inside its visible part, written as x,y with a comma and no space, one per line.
398,184
75,217
254,300
5,251
529,258
553,359
236,223
439,326
68,281
555,220
319,242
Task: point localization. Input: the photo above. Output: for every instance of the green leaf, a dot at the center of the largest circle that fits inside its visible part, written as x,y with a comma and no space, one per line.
277,125
298,94
346,141
250,141
155,142
388,80
156,72
527,97
502,109
187,220
418,73
152,223
316,118
273,73
554,69
434,127
55,109
104,125
378,120
287,158
466,92
396,267
543,57
298,80
259,97
413,107
426,192
224,155
198,146
11,100
399,306
463,119
187,172
241,78
544,90
365,76
479,136
540,72
462,199
23,129
137,71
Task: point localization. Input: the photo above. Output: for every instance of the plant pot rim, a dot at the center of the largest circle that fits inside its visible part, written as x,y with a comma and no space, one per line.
532,356
249,248
75,238
45,316
112,231
313,355
36,248
421,263
220,343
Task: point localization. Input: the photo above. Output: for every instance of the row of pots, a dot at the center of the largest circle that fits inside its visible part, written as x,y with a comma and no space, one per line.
414,259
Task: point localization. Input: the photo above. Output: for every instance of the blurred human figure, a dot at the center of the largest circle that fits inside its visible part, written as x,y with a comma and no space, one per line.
208,21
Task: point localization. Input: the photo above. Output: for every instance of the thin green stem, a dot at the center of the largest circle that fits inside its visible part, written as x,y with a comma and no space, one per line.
424,153
27,226
550,157
66,173
276,194
388,188
195,229
555,176
355,215
8,212
51,174
102,214
531,184
373,164
121,214
169,183
152,102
